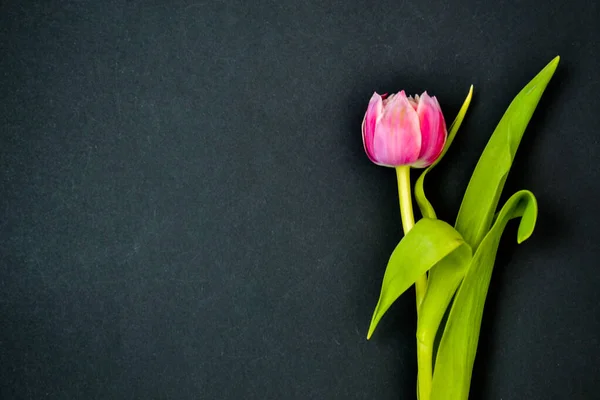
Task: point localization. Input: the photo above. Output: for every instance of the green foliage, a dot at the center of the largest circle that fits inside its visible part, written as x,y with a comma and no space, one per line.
428,242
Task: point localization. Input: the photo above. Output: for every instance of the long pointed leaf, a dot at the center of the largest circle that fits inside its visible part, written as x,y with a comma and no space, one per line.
485,187
456,354
424,205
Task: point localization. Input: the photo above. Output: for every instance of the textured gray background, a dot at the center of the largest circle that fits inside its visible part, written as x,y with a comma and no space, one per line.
186,210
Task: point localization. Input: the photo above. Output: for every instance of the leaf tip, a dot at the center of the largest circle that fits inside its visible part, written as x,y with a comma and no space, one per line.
525,232
521,237
371,330
528,216
553,64
377,315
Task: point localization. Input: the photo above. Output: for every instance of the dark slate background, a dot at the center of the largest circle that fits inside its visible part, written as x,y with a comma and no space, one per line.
187,212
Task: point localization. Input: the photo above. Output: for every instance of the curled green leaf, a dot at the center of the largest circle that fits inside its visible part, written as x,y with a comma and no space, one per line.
425,206
456,353
428,242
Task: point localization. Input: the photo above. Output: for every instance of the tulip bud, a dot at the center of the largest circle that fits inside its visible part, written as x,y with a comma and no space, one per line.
399,130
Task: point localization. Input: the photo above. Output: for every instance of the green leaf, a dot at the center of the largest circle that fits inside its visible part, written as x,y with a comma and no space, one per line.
485,187
456,353
428,242
425,206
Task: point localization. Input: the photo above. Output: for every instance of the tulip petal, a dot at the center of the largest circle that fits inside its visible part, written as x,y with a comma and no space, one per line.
433,130
373,114
398,138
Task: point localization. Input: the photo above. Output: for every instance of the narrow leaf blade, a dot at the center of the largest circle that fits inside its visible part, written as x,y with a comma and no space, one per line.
424,204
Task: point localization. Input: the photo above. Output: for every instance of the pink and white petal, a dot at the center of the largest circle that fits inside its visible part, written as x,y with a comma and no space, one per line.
398,137
369,125
433,130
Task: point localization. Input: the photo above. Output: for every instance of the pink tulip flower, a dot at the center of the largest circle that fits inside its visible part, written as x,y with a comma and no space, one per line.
399,130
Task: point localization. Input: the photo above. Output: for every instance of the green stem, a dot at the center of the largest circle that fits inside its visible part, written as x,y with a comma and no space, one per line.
408,220
424,353
425,374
